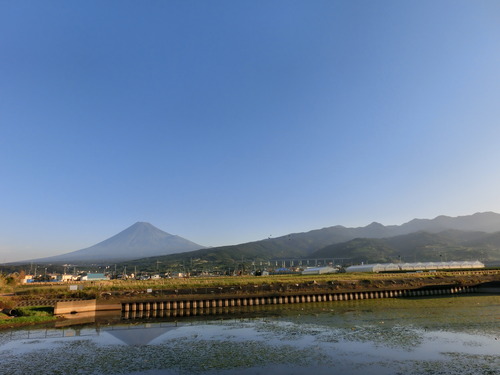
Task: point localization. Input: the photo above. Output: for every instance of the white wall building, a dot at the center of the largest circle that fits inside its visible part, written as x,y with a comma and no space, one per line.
319,270
420,266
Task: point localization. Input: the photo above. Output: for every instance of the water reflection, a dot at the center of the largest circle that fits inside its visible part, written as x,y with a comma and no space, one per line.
139,335
432,336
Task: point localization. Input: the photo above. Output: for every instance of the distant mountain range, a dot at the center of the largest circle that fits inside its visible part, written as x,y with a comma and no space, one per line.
137,241
472,237
469,237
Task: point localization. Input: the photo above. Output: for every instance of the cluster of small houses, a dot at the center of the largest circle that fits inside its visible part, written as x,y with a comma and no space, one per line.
378,267
66,277
88,276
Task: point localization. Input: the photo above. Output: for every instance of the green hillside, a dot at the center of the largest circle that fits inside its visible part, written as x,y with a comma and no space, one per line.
419,246
358,250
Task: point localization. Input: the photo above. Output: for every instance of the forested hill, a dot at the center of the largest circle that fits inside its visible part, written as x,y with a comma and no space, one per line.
420,246
443,238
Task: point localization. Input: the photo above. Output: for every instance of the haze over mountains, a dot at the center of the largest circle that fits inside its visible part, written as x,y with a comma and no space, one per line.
458,238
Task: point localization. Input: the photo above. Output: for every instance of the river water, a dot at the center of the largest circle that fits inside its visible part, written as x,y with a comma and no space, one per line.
436,335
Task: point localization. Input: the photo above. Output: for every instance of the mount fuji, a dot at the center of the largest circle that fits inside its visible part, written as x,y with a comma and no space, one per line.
140,240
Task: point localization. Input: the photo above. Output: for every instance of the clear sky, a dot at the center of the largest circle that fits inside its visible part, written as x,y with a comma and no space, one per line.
231,121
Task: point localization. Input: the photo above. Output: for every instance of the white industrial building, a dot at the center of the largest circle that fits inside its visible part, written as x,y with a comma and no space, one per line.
420,266
319,270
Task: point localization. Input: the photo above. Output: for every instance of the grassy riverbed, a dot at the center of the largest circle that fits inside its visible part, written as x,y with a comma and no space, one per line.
251,284
98,289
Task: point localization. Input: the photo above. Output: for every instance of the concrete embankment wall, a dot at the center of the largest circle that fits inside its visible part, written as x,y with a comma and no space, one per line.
71,307
192,306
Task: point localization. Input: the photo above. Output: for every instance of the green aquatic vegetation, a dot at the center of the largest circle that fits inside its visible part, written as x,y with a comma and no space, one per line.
456,364
184,355
405,338
355,337
282,330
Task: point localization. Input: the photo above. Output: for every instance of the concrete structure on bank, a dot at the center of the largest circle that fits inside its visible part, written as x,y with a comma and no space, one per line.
72,307
194,306
216,306
420,266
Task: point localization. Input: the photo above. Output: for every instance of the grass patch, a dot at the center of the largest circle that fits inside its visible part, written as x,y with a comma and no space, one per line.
27,316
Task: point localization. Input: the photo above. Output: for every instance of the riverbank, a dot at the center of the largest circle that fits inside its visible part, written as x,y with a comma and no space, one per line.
302,286
179,294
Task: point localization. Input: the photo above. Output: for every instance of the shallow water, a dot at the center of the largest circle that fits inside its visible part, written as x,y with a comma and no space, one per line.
440,335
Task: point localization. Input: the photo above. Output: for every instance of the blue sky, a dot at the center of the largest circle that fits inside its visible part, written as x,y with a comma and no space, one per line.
231,121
